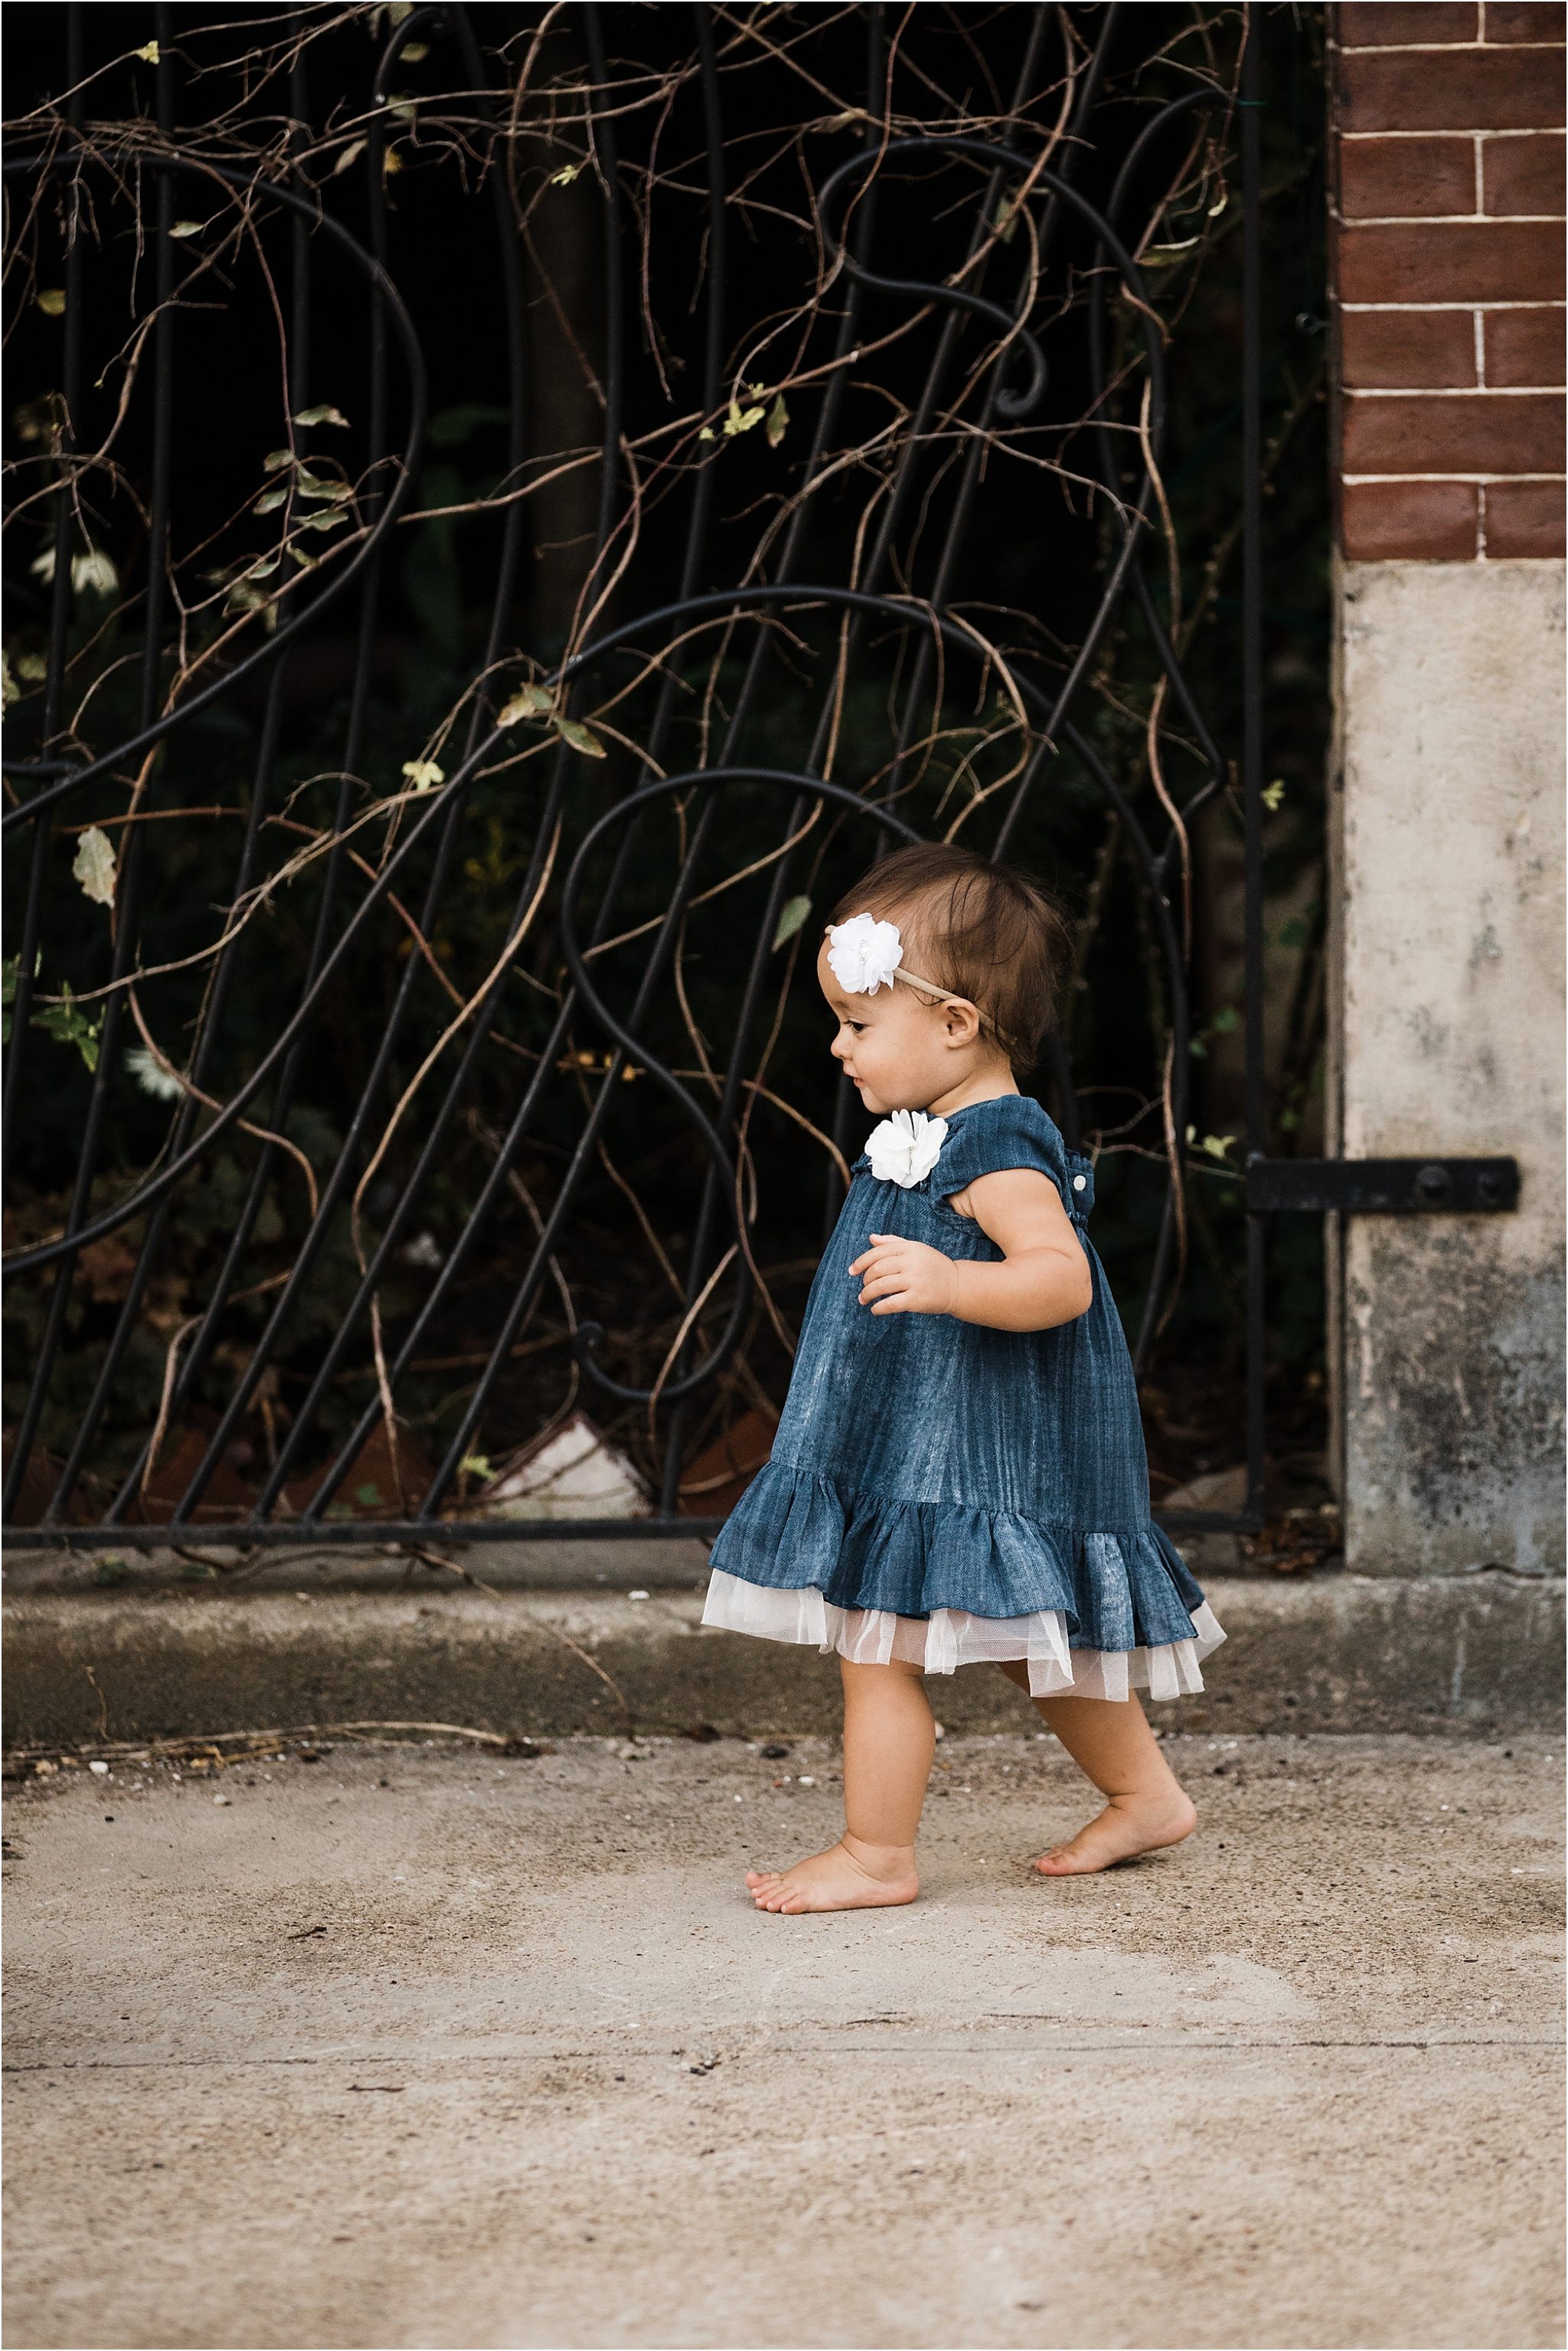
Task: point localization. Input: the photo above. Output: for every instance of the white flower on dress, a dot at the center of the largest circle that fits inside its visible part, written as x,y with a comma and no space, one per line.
906,1148
863,954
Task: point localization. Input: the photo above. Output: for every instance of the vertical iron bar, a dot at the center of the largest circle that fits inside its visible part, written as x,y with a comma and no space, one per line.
1252,710
54,714
133,851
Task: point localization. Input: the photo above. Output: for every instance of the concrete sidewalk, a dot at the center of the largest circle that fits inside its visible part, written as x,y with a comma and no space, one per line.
415,2046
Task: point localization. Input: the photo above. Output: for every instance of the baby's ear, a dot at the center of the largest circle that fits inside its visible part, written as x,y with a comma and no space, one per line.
961,1021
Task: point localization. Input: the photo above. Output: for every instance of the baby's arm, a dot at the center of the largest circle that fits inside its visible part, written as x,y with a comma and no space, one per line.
1044,1278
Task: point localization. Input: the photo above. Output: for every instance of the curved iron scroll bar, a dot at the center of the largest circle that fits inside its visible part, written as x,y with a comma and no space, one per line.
809,787
436,822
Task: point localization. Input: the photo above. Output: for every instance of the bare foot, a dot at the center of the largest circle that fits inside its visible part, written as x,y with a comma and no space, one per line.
1128,1827
835,1880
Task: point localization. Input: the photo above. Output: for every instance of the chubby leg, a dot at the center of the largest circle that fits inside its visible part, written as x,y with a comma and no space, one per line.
1111,1741
889,1741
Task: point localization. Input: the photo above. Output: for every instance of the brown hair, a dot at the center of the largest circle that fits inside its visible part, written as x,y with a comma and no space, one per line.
983,931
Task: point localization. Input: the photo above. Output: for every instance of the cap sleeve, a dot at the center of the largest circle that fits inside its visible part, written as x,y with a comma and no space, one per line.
990,1137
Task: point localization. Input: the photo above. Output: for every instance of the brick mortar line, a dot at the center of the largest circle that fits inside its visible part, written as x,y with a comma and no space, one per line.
1454,131
1383,309
1519,131
1475,481
1440,48
1448,220
1480,390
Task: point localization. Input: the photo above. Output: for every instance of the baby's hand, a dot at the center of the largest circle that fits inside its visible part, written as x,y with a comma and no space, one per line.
905,1277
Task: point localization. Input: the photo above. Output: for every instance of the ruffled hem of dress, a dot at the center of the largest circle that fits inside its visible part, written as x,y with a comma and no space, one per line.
1119,1590
951,1638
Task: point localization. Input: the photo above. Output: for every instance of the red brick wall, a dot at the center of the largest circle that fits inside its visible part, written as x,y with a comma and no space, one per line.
1446,257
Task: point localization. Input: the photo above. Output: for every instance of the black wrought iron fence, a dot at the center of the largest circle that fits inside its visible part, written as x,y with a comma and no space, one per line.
512,508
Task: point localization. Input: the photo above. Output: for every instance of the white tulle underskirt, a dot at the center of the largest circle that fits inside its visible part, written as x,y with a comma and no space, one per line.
951,1638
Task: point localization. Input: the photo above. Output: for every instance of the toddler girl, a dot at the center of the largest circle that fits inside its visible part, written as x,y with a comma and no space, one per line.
959,1473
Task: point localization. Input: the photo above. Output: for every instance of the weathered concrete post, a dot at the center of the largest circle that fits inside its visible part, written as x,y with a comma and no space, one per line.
1447,247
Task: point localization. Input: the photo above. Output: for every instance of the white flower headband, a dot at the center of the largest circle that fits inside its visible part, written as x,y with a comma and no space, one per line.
864,955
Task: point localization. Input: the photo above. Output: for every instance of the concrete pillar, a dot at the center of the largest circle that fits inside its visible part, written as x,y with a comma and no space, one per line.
1446,254
1449,854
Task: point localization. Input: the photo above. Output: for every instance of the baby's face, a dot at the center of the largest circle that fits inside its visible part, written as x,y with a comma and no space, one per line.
894,1045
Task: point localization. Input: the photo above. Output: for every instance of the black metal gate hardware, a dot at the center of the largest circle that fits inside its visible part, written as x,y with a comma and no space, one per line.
1381,1188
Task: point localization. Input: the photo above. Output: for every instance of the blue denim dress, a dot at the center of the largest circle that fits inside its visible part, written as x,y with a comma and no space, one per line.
925,1465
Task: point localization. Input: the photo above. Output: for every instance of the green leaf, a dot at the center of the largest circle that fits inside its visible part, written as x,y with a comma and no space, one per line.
10,690
183,228
276,459
271,499
338,1511
564,179
1225,1021
791,914
529,702
149,55
1216,1146
741,419
475,1465
323,415
1296,933
1273,794
243,597
329,519
368,1497
311,486
581,738
93,866
423,775
68,1024
777,420
51,301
